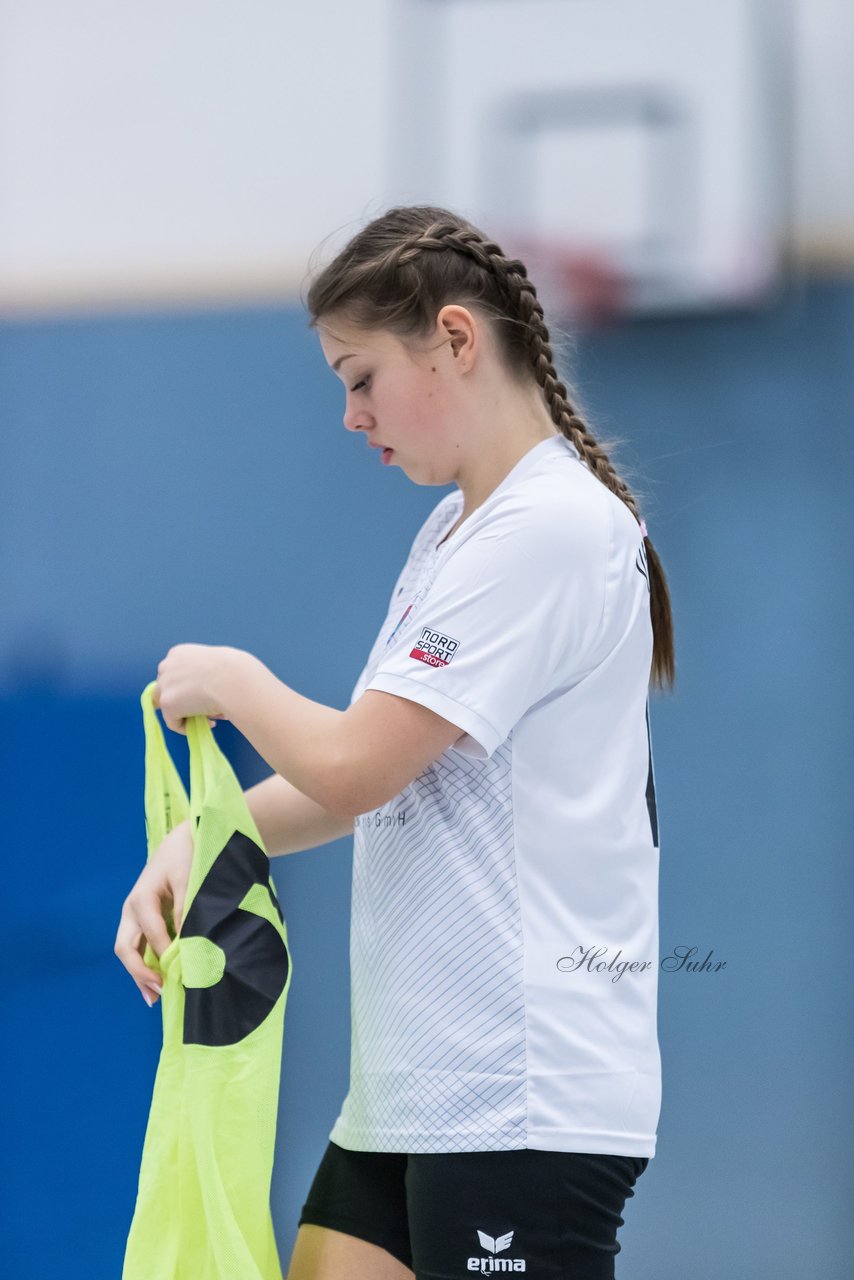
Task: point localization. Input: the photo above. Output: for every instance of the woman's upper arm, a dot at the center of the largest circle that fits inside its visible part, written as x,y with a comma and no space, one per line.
385,743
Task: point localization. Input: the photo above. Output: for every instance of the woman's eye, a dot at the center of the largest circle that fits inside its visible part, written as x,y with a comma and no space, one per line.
363,383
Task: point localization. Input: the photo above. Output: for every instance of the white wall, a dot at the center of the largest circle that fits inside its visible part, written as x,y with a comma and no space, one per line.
824,135
166,148
203,149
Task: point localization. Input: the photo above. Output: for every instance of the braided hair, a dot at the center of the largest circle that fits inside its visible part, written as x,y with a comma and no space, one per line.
400,270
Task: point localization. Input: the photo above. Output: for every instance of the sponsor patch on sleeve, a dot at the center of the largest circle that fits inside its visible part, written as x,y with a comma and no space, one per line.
434,648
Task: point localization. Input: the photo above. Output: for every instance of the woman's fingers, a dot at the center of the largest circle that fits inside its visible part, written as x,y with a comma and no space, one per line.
153,911
149,916
178,907
130,946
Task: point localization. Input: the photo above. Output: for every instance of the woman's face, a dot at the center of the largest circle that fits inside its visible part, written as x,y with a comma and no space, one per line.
399,397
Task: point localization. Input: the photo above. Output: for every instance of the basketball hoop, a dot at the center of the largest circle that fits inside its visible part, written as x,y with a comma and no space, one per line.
596,288
582,284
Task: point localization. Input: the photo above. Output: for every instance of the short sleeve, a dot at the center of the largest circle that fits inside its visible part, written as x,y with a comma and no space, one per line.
512,611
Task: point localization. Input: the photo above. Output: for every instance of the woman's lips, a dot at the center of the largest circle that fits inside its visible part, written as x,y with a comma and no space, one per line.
385,451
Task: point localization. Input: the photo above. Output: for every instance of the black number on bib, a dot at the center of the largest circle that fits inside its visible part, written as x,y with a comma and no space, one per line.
650,785
256,957
642,564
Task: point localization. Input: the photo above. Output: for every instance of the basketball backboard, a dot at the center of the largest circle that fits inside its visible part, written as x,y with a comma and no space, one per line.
635,151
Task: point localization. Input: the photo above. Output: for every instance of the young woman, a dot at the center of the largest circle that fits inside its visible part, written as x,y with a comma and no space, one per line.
495,766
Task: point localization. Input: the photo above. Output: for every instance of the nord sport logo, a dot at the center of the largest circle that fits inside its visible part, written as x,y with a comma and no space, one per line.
434,648
487,1266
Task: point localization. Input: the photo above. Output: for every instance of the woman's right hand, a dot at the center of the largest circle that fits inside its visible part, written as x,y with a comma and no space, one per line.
157,895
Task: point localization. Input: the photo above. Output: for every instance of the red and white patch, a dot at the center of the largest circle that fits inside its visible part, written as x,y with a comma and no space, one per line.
434,648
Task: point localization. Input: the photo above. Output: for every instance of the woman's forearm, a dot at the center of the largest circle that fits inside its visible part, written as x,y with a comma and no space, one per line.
289,821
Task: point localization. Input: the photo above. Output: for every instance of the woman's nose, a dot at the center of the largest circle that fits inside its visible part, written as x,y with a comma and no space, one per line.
354,418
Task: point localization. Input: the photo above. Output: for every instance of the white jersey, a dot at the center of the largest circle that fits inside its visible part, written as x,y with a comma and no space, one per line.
504,931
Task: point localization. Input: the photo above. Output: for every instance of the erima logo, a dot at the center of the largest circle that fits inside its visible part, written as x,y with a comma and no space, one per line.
486,1266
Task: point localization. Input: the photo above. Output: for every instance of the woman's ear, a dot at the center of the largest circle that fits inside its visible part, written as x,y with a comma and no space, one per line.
458,327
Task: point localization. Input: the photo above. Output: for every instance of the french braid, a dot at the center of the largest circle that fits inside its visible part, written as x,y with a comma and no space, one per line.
511,277
380,279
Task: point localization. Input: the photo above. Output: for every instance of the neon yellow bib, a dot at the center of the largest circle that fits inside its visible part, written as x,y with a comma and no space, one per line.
203,1204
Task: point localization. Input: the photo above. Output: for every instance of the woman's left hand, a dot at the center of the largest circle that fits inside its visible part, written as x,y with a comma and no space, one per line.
187,682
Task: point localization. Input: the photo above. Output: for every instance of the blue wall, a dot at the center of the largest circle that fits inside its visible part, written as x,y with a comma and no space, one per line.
187,478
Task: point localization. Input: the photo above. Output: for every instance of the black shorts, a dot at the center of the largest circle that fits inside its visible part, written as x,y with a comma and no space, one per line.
446,1216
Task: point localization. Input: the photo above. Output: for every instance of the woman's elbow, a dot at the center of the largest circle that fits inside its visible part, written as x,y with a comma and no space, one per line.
351,788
